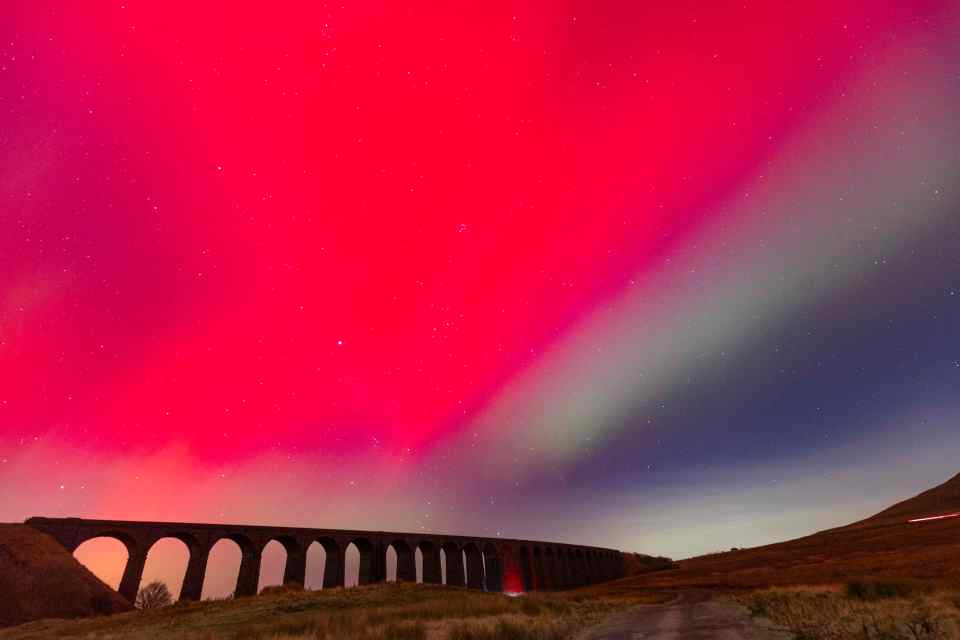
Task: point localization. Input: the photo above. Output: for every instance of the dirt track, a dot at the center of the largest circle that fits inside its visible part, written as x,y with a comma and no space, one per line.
692,616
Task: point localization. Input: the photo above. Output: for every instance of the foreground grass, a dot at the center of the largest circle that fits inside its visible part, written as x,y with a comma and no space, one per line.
381,612
888,610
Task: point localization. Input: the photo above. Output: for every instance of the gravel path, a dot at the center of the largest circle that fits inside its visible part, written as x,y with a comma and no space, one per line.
692,616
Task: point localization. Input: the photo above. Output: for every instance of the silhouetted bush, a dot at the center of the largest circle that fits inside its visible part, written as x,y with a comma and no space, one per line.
276,589
153,596
884,589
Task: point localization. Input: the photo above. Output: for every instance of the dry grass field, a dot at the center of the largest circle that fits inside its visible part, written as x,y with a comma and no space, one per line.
387,611
861,610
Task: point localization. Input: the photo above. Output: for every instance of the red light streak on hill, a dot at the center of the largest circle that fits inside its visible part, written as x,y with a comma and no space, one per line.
931,518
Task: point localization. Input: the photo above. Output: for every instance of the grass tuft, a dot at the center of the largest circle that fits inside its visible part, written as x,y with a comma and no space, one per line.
885,589
278,589
507,630
874,611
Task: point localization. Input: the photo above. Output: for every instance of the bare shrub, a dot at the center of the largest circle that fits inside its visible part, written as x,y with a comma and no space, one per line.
153,596
374,612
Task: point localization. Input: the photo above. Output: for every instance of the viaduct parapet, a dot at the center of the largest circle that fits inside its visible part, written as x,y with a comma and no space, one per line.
491,564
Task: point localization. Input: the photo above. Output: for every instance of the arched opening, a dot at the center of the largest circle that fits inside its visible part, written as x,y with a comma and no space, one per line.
526,570
400,562
316,566
418,564
391,564
512,572
492,569
431,566
474,566
559,575
106,557
360,567
223,569
273,561
578,567
167,562
332,568
548,581
539,577
451,562
351,566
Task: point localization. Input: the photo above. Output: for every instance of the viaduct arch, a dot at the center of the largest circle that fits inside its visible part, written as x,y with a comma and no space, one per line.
492,564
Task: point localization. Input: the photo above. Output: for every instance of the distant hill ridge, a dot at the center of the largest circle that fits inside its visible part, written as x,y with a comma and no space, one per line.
940,500
884,546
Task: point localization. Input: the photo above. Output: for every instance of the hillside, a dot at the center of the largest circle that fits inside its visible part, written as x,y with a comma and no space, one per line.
943,499
638,563
40,579
883,546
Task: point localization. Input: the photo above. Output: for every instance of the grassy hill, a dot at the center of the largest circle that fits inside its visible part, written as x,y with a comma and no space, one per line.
943,499
40,579
637,563
882,578
884,546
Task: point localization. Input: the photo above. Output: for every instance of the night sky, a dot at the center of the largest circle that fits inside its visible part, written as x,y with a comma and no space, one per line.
668,278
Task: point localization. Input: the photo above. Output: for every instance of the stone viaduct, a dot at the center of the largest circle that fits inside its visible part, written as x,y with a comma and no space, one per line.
492,564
